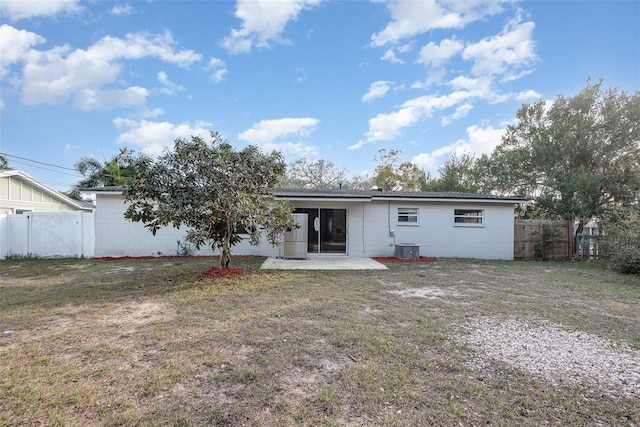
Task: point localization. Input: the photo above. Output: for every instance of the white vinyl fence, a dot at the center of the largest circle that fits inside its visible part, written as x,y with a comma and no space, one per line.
47,234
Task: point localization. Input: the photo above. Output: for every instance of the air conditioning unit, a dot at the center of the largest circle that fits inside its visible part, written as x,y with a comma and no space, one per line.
407,251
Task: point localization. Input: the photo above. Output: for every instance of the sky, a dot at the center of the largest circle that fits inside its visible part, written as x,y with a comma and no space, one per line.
331,80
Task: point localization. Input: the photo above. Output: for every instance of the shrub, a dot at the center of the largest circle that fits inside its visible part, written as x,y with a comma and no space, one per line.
545,247
622,242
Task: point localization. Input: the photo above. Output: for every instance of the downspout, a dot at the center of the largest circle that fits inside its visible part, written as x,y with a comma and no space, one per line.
364,250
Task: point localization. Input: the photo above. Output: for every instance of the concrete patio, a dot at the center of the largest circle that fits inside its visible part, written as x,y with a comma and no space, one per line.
323,263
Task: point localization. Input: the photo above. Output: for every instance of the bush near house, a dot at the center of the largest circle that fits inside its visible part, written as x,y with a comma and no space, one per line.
622,243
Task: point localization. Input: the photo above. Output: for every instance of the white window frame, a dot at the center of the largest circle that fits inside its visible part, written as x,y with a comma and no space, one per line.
466,217
408,213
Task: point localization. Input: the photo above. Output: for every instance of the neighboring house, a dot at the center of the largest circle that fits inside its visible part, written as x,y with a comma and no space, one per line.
20,193
36,220
345,222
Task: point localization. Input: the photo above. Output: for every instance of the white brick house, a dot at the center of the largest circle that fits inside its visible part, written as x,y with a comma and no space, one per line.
346,222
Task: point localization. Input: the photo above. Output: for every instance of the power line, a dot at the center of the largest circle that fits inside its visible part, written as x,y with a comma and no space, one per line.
43,168
36,161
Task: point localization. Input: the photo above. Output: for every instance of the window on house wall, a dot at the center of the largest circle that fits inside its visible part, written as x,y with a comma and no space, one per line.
468,216
407,216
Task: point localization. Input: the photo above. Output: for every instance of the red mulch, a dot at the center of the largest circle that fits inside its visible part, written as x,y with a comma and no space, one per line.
223,272
126,257
391,259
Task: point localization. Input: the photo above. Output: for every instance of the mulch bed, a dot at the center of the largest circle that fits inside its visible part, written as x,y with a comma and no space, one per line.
223,272
127,257
393,260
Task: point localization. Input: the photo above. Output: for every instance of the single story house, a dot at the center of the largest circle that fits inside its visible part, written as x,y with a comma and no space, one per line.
355,223
20,193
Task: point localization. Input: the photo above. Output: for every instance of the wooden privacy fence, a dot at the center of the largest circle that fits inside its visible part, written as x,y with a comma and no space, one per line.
543,239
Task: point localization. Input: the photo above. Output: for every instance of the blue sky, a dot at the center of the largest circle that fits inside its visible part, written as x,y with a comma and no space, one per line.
315,79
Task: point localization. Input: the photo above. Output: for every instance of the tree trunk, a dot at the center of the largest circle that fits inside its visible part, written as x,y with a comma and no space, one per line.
225,256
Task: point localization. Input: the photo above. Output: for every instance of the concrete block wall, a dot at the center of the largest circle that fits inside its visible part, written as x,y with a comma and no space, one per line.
117,236
368,231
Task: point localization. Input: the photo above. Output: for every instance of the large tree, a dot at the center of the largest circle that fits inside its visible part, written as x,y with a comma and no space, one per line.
458,173
392,174
4,164
575,157
213,190
304,173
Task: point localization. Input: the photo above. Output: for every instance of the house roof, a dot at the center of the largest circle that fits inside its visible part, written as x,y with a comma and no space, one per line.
8,173
362,195
374,194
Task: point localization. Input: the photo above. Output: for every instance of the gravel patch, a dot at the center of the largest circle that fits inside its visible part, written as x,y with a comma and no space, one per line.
562,357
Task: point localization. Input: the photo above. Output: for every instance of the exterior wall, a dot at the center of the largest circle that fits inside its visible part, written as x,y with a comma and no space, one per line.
15,193
372,230
116,236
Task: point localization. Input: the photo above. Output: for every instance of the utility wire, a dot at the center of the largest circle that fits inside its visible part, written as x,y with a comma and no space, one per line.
47,169
76,175
36,161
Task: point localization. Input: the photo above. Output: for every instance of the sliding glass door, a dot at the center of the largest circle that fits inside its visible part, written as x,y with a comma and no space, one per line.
327,230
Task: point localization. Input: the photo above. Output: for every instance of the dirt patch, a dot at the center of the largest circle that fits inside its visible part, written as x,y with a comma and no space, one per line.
139,313
430,292
393,260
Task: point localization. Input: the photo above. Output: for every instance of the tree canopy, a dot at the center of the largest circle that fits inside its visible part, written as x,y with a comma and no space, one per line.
115,172
576,157
213,190
392,174
304,173
4,164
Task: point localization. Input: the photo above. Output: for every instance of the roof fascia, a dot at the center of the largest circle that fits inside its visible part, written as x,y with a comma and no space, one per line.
447,200
324,199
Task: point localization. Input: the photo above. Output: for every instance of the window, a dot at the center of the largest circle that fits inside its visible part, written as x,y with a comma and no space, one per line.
407,216
468,216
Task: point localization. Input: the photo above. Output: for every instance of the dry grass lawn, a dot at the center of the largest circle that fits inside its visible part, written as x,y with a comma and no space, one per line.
152,342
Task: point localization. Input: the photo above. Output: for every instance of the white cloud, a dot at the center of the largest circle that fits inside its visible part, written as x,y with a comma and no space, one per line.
169,87
461,112
15,46
377,90
290,149
269,130
390,55
268,135
479,141
108,99
410,18
528,95
62,73
154,137
435,55
121,9
510,53
263,22
26,9
385,127
218,68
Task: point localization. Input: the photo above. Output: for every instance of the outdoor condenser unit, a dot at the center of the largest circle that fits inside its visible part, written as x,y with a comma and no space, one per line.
295,239
407,251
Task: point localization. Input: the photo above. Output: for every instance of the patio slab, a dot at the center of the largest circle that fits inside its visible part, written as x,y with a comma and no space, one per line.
323,263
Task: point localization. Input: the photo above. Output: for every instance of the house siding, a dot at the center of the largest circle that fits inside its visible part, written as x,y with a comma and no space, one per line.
368,230
16,193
